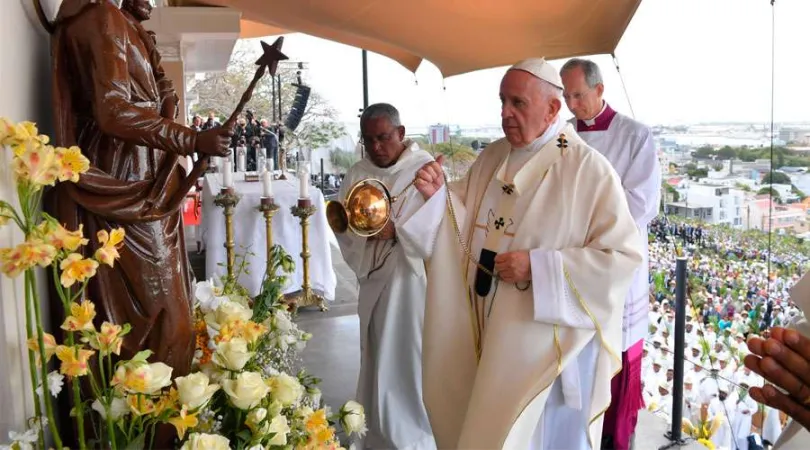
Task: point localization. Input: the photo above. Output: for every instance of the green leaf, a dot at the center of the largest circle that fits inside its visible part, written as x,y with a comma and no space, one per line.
142,355
139,443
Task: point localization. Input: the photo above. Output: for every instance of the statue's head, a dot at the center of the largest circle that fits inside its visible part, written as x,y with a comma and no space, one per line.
140,9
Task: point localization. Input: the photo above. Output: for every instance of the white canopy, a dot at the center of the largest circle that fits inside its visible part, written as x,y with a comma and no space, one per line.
457,36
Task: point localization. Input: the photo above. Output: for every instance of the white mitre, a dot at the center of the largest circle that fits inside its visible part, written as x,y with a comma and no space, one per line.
540,69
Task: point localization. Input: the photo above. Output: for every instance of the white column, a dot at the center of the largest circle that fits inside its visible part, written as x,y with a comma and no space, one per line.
26,96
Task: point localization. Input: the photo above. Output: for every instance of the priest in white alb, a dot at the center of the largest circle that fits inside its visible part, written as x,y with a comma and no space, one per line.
528,268
629,147
392,292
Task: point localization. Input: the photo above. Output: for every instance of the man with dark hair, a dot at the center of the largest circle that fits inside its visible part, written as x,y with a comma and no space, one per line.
392,292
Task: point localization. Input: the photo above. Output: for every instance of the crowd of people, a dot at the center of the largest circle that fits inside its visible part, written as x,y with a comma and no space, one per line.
250,133
731,297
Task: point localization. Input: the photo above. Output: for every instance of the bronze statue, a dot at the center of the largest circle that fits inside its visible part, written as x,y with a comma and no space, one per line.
112,99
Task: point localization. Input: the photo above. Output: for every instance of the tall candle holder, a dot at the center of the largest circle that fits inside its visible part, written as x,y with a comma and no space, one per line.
227,199
269,208
303,210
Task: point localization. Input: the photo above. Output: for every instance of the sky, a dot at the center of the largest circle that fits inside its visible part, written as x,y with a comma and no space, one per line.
682,61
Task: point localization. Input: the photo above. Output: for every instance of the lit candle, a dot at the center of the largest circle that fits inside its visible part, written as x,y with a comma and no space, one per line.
241,159
227,176
303,180
267,184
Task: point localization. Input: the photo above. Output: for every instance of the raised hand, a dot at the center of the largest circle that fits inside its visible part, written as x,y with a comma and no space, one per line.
784,360
214,141
430,178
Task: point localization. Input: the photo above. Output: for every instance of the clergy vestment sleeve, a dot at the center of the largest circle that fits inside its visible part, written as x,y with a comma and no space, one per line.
419,226
642,182
115,108
576,286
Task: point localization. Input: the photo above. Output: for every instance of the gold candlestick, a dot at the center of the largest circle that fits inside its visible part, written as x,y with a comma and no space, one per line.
227,199
306,297
269,208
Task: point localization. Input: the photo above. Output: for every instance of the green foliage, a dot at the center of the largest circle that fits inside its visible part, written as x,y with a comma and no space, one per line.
769,190
342,160
279,267
698,173
776,178
459,156
798,192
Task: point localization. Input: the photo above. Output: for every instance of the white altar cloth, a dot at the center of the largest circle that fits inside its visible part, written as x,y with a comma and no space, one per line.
249,234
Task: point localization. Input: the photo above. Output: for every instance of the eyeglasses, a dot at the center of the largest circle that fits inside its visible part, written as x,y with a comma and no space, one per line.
575,95
367,141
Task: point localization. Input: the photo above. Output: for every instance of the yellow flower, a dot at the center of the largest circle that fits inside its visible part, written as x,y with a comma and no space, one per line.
706,443
71,163
14,261
252,331
183,422
168,400
140,405
317,421
110,243
74,360
107,341
325,435
75,268
37,165
18,135
61,238
81,317
50,346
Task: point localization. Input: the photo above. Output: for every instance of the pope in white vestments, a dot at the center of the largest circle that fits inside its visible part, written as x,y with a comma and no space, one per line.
392,292
524,359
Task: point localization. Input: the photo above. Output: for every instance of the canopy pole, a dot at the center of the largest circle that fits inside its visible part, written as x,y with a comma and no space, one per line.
365,79
626,95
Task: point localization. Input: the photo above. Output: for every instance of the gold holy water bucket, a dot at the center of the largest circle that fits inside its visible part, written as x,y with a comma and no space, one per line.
366,211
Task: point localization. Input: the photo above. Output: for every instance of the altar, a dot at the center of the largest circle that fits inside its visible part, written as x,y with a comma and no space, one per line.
250,237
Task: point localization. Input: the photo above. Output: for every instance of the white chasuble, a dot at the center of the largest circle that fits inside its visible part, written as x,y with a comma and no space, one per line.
391,309
572,217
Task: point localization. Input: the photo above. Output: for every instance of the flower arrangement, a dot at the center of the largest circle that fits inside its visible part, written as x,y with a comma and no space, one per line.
704,429
239,393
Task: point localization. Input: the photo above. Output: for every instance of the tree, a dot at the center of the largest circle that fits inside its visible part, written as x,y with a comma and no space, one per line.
726,153
704,152
220,92
743,187
671,192
776,178
460,157
767,190
342,160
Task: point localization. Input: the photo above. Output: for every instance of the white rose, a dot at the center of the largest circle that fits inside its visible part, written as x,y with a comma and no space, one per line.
232,355
202,441
286,389
247,390
256,447
228,311
118,408
279,426
215,374
194,390
353,418
254,421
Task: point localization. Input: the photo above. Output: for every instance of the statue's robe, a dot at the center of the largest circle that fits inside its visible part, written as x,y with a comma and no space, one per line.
112,99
